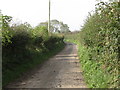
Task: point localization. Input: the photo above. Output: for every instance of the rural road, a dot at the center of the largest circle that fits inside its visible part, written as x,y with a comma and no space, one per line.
61,71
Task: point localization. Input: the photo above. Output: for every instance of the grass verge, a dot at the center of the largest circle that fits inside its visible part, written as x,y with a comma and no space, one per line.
38,58
94,74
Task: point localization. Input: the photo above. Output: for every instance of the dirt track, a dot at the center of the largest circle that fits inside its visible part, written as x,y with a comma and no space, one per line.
61,71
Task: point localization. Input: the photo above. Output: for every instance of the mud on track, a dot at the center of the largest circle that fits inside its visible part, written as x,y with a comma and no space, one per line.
61,71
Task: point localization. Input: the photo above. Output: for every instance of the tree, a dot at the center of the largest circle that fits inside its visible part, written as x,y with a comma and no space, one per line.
64,28
56,26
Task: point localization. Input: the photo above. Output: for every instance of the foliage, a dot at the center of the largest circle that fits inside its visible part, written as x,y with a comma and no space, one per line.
56,26
6,34
21,44
99,40
94,75
101,33
41,31
0,23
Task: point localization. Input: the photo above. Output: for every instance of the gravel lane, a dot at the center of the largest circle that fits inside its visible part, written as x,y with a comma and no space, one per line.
61,71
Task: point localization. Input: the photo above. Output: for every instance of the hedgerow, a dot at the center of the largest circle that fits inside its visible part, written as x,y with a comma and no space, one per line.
99,46
100,34
21,44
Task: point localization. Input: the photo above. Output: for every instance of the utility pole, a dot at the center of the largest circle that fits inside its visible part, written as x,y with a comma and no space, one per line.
49,18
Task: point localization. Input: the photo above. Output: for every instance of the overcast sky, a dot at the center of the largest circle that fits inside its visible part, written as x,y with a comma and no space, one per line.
71,12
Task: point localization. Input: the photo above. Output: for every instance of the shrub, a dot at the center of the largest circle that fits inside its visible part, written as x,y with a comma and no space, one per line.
100,36
21,41
101,32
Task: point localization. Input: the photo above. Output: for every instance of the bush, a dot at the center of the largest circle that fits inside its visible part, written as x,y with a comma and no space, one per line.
22,44
100,37
100,34
38,41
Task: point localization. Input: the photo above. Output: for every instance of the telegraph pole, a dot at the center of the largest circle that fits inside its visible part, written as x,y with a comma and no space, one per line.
49,18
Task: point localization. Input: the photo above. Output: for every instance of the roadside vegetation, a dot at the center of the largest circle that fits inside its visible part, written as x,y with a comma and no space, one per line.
24,47
98,43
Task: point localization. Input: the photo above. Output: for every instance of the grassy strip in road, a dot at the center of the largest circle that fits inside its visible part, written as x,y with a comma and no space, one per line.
38,58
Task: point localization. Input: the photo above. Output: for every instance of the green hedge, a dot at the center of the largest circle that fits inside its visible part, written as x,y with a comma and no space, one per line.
100,39
100,35
21,44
